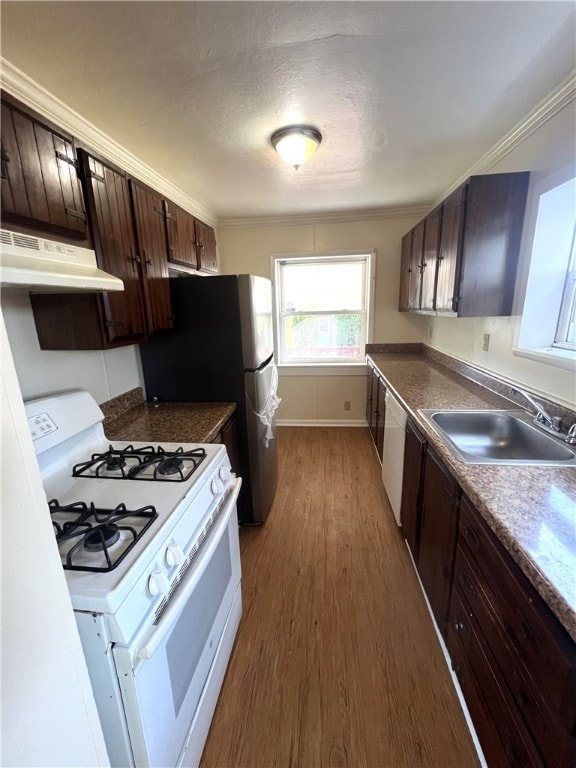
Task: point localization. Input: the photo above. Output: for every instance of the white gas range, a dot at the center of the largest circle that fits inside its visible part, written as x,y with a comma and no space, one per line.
148,538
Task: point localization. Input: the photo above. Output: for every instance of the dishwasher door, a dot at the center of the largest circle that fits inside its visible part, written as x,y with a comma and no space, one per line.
393,461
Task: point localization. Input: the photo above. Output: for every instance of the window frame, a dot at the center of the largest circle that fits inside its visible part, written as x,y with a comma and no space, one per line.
277,260
542,285
568,303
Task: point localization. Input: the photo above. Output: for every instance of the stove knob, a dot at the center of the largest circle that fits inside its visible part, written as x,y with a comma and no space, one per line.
217,487
157,583
174,555
224,473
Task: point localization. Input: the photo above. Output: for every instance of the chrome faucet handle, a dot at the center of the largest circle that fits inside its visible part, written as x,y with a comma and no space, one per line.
552,422
571,436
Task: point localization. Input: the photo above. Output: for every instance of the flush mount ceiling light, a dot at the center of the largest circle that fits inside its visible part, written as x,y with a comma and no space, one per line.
296,144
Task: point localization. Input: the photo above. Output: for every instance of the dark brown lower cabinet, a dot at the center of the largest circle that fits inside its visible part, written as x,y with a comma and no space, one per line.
411,510
229,437
438,528
516,656
376,409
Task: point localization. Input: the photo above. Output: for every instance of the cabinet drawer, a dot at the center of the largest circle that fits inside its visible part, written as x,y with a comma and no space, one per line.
549,734
487,690
546,653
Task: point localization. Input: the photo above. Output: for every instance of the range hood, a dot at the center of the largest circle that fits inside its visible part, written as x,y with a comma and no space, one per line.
49,266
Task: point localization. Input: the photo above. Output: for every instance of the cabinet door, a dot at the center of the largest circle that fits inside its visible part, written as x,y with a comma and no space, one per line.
405,272
40,185
430,258
181,236
206,247
438,536
494,218
108,199
451,237
415,288
230,440
151,237
414,457
369,396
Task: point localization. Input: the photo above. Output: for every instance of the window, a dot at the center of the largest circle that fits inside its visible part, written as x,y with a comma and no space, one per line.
566,330
322,308
548,325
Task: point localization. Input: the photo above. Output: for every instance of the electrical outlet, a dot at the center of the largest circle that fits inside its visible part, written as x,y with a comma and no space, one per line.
346,405
486,342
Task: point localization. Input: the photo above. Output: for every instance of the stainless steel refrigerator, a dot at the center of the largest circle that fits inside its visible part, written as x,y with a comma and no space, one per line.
222,350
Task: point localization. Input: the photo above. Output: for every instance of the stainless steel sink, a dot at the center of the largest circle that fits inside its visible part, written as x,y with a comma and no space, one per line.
498,437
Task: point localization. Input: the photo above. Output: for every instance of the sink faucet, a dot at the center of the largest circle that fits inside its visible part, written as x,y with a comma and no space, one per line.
553,423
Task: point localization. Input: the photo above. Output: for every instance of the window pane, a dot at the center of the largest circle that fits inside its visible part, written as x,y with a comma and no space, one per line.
322,287
310,337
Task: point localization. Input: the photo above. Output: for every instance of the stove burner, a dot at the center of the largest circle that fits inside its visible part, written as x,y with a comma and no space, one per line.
114,462
170,466
101,537
147,463
86,534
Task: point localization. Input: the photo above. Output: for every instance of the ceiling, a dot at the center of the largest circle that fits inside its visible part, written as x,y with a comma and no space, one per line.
408,95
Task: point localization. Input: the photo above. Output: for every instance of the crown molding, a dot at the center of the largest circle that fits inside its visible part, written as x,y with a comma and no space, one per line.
327,217
555,102
31,93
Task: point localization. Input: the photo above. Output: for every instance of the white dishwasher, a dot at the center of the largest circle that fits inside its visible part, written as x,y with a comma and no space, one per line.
393,454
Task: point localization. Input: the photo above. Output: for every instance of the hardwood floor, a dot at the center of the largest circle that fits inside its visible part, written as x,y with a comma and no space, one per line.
336,662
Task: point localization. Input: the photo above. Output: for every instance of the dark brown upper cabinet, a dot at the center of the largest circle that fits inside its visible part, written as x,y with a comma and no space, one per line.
419,257
190,242
429,262
181,236
470,249
40,184
451,238
108,199
151,240
405,272
205,247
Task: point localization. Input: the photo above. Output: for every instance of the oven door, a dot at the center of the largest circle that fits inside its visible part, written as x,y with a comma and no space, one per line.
163,672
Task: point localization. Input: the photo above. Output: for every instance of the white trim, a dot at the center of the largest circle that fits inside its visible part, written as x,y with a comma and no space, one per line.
559,358
327,217
320,423
29,92
326,369
559,98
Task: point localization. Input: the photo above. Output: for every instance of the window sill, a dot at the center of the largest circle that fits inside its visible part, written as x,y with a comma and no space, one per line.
322,369
559,358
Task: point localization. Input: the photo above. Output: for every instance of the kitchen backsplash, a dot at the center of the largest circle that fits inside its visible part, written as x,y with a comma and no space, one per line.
105,374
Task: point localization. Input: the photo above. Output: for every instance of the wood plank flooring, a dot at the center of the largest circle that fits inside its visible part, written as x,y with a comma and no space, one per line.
336,662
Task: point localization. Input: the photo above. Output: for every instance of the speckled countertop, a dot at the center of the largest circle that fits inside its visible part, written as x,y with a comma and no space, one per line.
531,509
130,418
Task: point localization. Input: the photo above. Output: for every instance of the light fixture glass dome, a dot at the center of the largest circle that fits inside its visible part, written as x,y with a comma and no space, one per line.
296,144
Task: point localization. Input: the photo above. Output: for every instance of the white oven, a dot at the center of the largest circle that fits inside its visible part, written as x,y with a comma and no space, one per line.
152,560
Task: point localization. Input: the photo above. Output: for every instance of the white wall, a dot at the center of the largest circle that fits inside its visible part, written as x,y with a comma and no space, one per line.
546,151
49,716
321,398
105,374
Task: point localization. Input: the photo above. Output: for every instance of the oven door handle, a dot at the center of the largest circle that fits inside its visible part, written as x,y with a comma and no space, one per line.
186,587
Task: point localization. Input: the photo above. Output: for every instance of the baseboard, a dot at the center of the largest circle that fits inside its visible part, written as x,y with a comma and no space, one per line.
320,423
